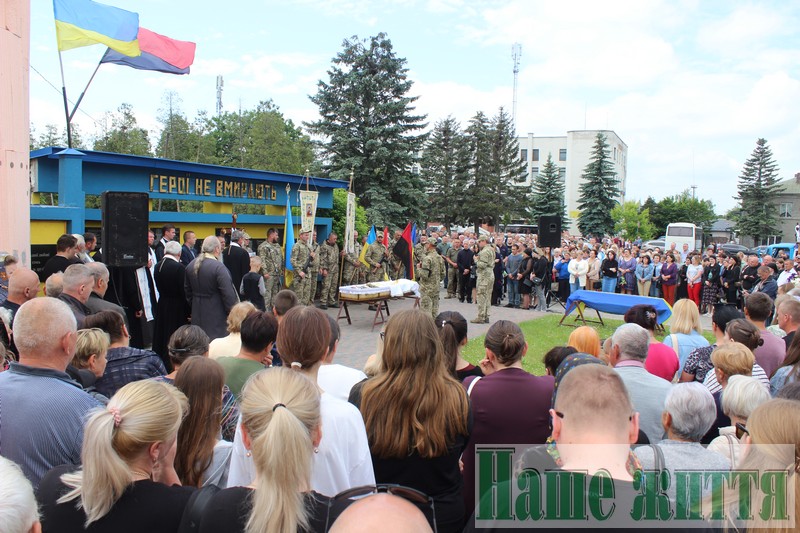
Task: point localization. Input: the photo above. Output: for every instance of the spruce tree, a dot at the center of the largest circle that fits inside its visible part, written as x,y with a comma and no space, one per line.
478,134
444,170
507,194
547,194
599,192
368,126
758,194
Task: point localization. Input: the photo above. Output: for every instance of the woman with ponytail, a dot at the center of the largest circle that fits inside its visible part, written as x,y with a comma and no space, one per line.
498,419
281,429
127,481
342,460
452,328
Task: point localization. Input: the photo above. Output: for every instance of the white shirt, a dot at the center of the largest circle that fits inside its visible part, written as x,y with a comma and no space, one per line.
783,279
343,461
713,385
338,380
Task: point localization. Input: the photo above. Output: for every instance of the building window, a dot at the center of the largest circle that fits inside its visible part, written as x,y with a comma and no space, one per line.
523,154
785,210
562,173
562,154
534,171
535,154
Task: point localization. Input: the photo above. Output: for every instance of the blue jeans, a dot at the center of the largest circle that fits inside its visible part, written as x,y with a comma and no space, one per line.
576,286
513,291
609,284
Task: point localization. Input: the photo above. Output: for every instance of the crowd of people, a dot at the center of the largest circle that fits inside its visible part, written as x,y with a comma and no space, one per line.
229,413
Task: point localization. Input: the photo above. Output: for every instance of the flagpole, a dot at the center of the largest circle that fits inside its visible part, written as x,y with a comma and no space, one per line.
80,98
66,105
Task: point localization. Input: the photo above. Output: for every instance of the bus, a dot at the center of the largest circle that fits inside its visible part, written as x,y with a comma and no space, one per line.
683,233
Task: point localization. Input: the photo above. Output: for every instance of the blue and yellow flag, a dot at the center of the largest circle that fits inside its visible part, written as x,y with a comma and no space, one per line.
288,244
371,237
84,23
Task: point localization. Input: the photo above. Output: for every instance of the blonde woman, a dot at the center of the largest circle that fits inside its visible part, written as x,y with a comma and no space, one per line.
127,481
230,345
281,429
686,332
90,350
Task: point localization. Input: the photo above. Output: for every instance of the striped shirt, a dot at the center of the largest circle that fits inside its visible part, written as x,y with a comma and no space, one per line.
42,412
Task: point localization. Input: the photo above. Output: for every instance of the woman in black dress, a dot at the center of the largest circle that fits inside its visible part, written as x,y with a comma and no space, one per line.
525,269
711,284
127,482
730,279
683,283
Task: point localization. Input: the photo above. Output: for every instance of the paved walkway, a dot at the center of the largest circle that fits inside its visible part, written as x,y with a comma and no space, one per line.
358,340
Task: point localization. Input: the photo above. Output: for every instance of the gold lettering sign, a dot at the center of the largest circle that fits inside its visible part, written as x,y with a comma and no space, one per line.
219,187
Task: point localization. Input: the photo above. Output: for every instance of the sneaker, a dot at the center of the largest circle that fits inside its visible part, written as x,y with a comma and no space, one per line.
478,321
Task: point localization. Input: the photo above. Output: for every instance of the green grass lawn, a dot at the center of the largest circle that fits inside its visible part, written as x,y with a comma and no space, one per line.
544,333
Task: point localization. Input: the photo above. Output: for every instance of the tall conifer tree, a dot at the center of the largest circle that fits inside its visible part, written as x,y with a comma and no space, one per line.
599,192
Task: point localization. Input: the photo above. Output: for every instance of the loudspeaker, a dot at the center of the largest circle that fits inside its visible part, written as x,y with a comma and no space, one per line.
550,231
124,228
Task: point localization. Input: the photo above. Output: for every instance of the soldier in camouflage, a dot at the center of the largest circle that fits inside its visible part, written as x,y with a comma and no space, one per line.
271,255
453,278
484,262
419,253
313,269
329,263
300,260
431,273
352,265
395,263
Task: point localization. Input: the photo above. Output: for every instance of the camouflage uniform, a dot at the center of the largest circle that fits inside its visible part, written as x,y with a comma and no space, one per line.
453,279
300,262
374,258
313,273
271,266
431,273
329,260
485,280
395,263
352,266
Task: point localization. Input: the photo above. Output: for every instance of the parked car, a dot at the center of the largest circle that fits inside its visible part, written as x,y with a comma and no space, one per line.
760,251
650,245
733,248
789,247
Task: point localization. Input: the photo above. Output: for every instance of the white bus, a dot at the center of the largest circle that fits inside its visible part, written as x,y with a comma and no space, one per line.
683,233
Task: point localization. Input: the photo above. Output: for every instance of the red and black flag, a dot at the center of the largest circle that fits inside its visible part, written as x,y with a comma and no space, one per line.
404,249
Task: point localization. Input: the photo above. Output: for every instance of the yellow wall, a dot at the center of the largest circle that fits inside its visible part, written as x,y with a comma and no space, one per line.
47,231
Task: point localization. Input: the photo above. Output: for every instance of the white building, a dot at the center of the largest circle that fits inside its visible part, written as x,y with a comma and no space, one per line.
572,153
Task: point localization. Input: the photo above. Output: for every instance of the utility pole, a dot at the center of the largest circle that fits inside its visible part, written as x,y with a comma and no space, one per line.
694,188
516,55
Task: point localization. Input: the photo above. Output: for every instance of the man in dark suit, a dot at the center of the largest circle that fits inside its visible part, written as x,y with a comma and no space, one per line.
97,301
236,258
172,309
187,250
167,234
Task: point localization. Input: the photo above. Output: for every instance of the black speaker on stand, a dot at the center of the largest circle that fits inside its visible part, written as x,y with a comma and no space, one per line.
125,217
549,231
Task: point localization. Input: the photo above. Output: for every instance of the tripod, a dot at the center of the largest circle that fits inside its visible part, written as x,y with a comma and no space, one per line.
551,296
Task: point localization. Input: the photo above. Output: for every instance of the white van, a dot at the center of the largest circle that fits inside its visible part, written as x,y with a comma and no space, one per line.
683,233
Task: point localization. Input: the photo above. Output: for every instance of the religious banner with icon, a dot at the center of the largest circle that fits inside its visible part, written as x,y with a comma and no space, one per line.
350,224
308,208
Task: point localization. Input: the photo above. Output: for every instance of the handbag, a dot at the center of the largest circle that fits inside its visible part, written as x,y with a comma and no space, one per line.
527,282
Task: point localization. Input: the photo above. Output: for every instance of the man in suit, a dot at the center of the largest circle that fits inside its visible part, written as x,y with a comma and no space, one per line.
167,234
236,258
172,309
187,250
96,301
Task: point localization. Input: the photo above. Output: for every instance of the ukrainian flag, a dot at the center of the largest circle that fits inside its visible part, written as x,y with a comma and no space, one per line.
371,237
84,23
288,244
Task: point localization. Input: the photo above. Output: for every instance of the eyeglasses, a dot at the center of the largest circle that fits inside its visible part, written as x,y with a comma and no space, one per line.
741,430
418,498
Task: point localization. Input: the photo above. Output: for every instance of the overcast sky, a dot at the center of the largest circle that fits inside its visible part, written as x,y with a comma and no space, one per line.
688,85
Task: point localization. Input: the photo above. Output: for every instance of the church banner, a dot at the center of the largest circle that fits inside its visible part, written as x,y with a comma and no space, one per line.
308,209
350,224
